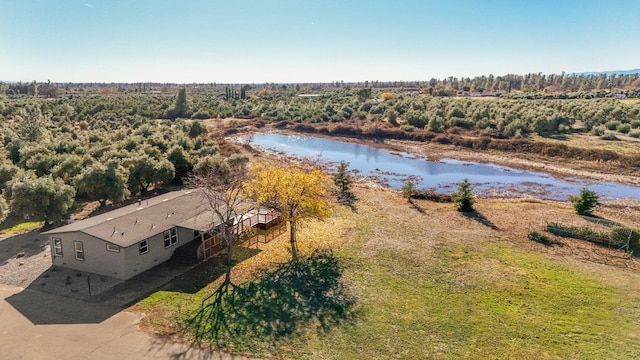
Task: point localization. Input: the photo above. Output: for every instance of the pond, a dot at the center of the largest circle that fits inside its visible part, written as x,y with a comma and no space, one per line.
394,169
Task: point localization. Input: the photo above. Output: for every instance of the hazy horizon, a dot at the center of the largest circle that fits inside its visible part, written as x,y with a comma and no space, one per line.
290,41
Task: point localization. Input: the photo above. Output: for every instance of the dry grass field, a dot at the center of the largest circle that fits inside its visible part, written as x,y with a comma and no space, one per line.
436,283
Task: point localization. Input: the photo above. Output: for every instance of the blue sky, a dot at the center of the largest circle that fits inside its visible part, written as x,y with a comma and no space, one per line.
310,41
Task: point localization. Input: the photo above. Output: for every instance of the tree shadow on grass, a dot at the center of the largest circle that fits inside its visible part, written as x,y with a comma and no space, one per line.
555,136
202,274
417,207
476,216
279,303
600,220
348,199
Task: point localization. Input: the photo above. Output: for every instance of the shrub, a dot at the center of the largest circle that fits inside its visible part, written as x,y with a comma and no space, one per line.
392,116
408,189
585,202
598,130
624,128
463,199
407,127
431,196
417,119
612,125
609,137
626,238
635,134
635,124
541,238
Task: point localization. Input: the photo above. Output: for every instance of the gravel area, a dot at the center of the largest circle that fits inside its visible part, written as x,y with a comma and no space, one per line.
23,258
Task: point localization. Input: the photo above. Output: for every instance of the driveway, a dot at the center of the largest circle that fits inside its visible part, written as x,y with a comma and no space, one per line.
48,313
117,337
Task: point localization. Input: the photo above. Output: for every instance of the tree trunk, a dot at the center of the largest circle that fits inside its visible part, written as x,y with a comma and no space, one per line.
292,239
229,240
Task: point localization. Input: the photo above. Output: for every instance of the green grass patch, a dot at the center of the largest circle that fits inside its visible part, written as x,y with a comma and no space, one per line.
497,302
14,225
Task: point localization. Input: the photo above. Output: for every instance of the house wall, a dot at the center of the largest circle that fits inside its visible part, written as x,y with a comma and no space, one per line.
157,254
121,265
96,257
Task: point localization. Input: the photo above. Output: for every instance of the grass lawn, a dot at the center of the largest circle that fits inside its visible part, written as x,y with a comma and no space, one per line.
440,284
14,226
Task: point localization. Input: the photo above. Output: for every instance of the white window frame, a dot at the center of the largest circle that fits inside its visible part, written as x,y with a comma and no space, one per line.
113,247
144,244
56,246
79,251
170,237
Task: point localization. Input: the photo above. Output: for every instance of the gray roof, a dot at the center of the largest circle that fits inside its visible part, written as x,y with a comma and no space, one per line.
133,223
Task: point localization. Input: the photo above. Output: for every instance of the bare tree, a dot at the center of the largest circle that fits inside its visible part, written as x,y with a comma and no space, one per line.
222,185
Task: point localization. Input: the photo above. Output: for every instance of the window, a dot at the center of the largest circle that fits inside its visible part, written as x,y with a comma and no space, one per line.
79,249
144,247
113,247
170,237
57,247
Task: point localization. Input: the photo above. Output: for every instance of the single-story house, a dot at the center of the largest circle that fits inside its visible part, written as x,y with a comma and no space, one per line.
130,240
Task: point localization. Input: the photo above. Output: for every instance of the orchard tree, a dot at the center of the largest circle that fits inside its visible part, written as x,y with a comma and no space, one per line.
146,172
103,182
364,94
4,209
41,198
196,129
7,172
31,123
298,192
69,166
181,162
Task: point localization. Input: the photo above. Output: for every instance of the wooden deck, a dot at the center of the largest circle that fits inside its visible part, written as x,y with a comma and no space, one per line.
259,227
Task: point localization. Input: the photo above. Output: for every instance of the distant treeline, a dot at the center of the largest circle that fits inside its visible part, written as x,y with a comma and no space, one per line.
532,82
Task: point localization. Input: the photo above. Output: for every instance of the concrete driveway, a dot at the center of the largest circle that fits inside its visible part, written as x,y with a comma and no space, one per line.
117,337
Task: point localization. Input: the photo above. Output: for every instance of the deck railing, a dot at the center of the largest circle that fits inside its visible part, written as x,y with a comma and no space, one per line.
255,229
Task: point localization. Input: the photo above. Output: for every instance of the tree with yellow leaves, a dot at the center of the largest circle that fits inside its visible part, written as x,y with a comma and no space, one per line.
298,192
387,96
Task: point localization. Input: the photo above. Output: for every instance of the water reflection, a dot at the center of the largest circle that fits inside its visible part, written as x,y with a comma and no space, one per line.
393,169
